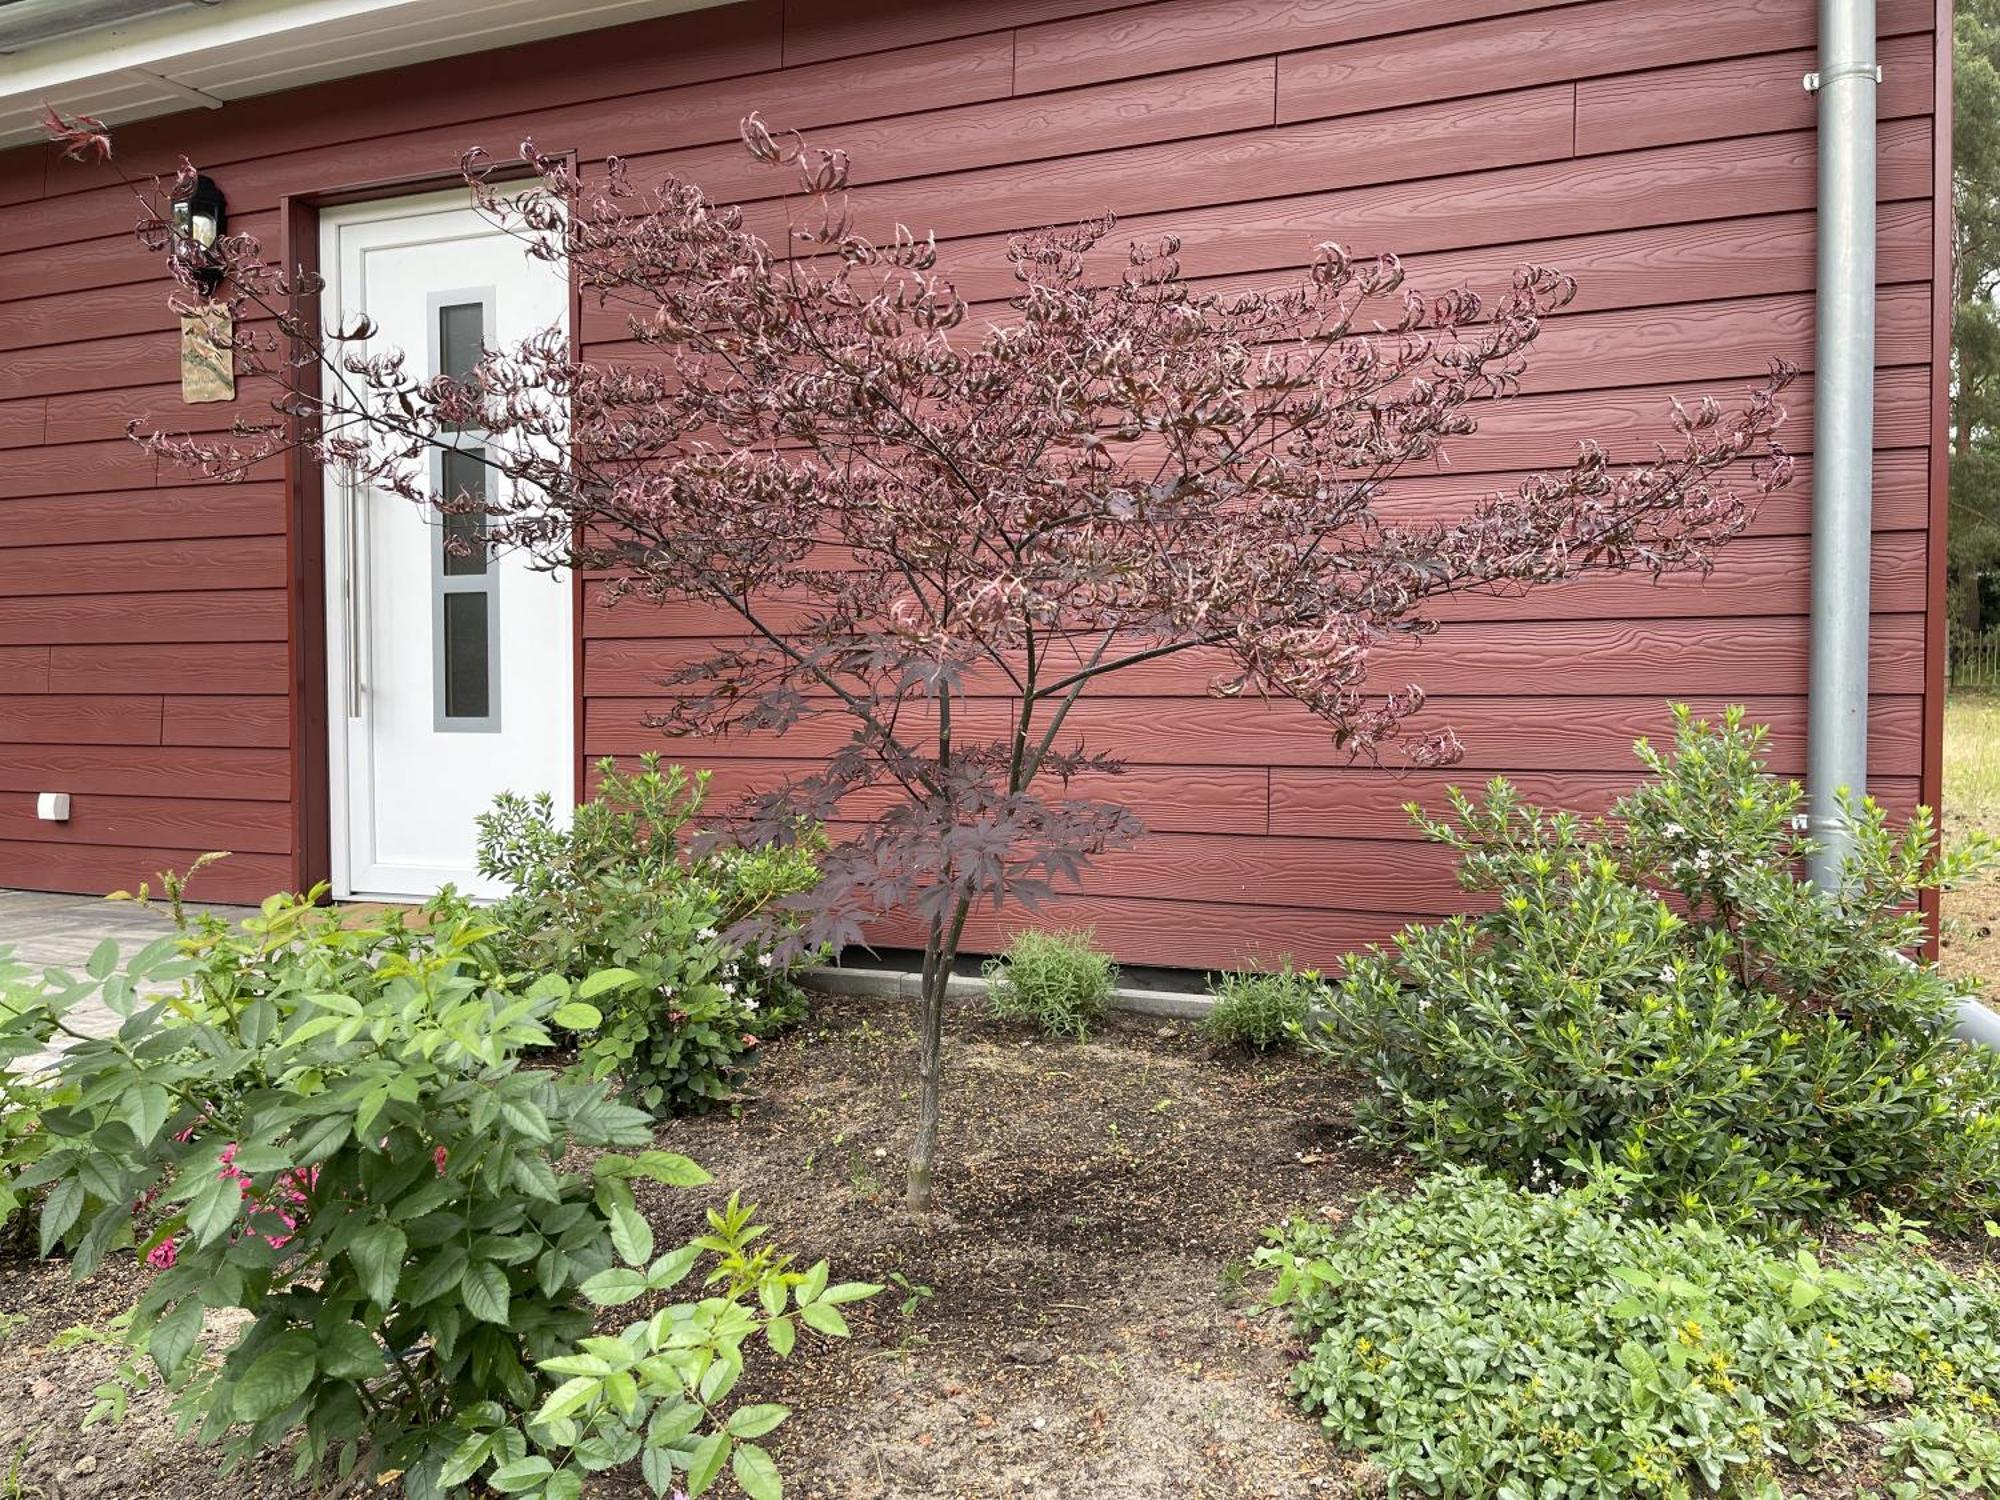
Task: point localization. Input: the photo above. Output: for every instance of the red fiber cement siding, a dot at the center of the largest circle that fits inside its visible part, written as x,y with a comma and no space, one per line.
1661,150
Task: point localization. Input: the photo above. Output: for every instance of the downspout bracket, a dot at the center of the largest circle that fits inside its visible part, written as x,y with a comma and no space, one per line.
1814,82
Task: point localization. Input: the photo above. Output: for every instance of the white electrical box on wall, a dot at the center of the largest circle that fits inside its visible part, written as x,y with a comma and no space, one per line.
52,807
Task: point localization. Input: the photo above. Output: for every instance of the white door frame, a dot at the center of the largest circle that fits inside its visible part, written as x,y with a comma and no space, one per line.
348,626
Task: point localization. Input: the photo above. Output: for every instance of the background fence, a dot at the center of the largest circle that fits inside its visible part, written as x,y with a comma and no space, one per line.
1973,661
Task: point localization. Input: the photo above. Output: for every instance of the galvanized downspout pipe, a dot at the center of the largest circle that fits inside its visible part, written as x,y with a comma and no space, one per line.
1843,428
1843,447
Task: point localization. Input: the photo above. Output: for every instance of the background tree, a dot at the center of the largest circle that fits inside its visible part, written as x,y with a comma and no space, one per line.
939,537
1974,530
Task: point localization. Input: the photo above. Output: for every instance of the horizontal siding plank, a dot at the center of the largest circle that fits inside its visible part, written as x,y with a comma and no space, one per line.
1186,799
1737,97
1503,130
819,29
823,95
253,722
1553,658
1901,495
24,669
1153,39
1191,33
79,719
1169,934
202,615
1668,266
1364,802
138,567
1664,186
1573,42
221,772
697,47
1529,733
75,468
116,259
251,667
204,510
95,869
1208,101
155,822
1752,576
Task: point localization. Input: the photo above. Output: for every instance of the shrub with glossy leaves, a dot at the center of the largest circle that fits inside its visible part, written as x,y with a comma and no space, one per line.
1059,981
1478,1339
617,891
1663,990
329,1127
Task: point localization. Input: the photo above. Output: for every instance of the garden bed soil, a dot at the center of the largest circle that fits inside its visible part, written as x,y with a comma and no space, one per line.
1082,1335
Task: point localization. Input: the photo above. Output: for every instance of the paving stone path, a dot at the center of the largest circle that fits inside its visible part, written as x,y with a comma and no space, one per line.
48,931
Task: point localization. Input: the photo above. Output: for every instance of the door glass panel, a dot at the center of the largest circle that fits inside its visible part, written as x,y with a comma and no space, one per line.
464,538
461,332
467,663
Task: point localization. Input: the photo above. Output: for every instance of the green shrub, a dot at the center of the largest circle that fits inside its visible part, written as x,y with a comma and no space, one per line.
616,891
329,1127
1262,1011
22,1097
1057,980
1663,990
1478,1339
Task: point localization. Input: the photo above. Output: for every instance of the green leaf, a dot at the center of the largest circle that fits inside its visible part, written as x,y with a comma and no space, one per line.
377,1253
568,1397
756,1472
347,1351
103,959
706,1461
809,1289
669,1167
755,1421
631,1236
438,1275
826,1319
849,1291
521,1474
672,1268
604,980
145,1111
526,1117
576,1016
174,1335
59,1211
484,1288
214,1209
466,1460
277,1378
781,1335
615,1287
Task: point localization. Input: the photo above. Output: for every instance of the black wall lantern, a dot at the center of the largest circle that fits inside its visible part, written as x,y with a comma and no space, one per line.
199,221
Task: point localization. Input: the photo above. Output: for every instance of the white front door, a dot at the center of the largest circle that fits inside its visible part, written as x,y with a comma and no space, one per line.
449,668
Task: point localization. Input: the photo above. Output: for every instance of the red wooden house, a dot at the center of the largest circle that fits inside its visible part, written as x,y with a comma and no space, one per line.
277,669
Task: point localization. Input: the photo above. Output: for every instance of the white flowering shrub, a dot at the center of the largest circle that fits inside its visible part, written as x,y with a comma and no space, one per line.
687,996
1662,990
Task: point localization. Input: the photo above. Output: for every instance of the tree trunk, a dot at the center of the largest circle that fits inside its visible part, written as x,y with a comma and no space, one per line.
940,955
930,1060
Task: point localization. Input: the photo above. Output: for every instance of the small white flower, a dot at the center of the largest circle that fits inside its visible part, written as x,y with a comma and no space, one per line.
1673,830
1668,974
728,988
764,959
750,1004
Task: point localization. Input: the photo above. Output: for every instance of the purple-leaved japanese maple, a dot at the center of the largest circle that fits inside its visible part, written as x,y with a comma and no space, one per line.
941,527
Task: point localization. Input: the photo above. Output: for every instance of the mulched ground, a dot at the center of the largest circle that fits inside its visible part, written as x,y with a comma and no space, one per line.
1081,1335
